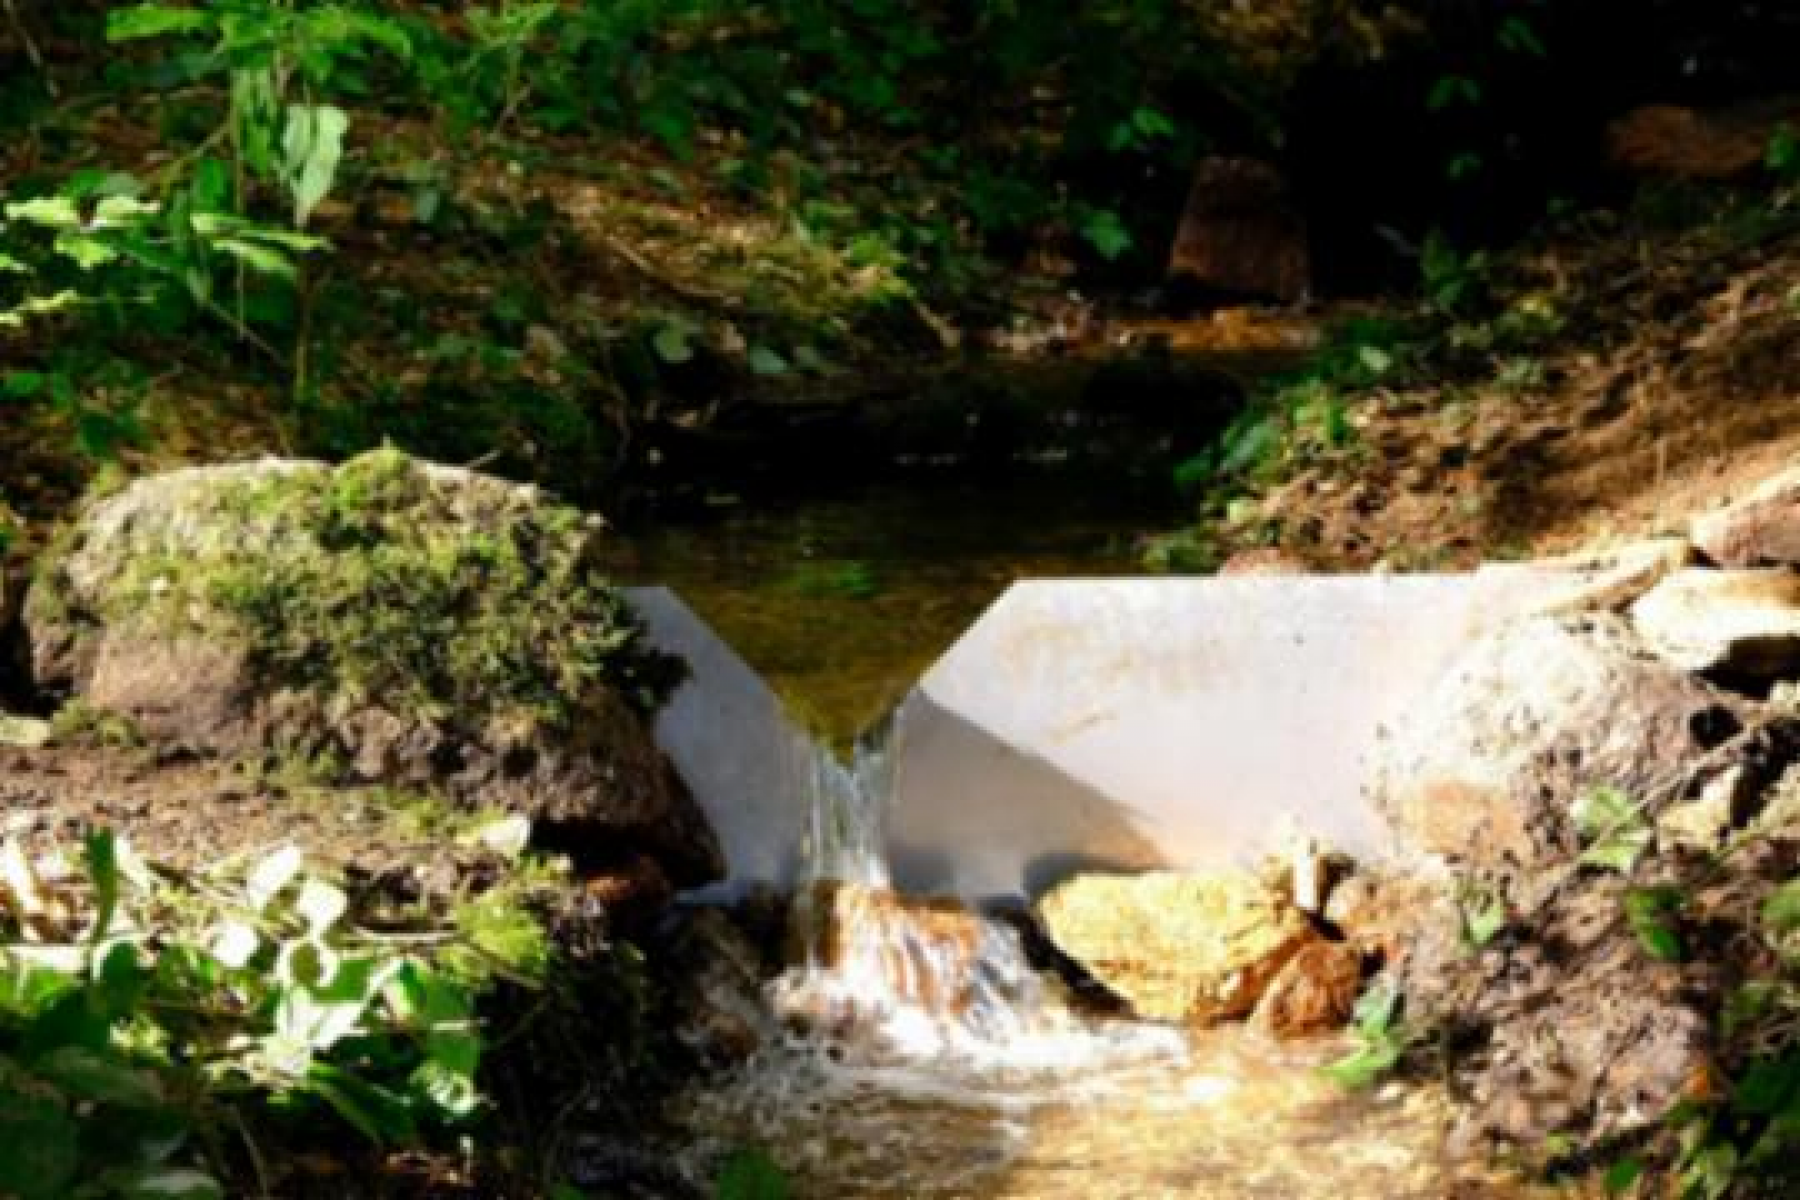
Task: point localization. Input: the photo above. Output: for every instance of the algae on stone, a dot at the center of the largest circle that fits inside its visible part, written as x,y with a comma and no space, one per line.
1195,948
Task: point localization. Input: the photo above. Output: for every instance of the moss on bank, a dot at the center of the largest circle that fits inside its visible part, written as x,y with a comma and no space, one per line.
442,594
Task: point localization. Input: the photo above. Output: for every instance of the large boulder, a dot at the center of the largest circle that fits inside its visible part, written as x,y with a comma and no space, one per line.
1762,529
1738,623
1573,1025
1191,948
1531,719
1241,236
384,622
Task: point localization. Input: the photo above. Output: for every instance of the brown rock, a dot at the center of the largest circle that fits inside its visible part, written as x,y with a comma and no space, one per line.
1240,235
1486,772
1381,914
1314,993
1744,623
715,980
1762,529
1196,948
633,895
1684,143
1606,580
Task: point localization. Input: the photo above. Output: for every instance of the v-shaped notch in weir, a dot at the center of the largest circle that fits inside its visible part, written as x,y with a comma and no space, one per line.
1102,724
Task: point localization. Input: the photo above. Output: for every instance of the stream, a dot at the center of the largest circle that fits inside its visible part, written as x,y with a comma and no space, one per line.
915,1053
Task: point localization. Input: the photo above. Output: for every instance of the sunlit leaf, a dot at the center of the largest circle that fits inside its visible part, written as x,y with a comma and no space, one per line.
155,20
49,212
272,874
312,146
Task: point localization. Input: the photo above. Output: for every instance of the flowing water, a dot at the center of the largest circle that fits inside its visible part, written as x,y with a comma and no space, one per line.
925,1057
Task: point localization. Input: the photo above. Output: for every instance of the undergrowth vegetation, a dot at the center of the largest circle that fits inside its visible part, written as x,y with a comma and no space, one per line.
160,1029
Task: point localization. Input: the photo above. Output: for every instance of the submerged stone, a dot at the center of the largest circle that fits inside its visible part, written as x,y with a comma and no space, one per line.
1197,948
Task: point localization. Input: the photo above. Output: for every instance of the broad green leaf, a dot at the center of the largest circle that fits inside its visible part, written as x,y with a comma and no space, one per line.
12,266
272,874
1652,914
1781,911
371,1110
671,343
84,251
320,905
764,361
103,873
155,20
116,210
1106,233
264,260
1768,1086
750,1174
49,212
1623,1174
171,1183
1367,1064
1614,827
306,962
235,943
101,1077
312,145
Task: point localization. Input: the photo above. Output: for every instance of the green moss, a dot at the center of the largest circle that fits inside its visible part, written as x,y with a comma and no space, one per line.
468,602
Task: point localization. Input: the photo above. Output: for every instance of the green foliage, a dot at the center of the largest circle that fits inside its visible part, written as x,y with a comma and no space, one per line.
750,1174
1614,828
1382,1038
1652,914
1482,913
190,1009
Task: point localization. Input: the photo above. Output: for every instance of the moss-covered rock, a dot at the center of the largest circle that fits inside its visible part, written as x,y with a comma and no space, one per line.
385,621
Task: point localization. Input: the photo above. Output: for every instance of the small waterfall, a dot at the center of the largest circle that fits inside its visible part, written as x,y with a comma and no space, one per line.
915,979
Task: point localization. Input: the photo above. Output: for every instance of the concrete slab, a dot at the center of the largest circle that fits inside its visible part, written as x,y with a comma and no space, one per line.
750,767
1123,723
1135,723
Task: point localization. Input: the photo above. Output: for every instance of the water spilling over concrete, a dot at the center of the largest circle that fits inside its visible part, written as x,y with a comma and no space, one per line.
1122,723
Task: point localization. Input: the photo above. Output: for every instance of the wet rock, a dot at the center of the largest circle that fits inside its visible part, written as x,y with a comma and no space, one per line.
1738,623
385,622
713,972
1194,948
1240,234
1314,993
1762,529
1529,720
633,894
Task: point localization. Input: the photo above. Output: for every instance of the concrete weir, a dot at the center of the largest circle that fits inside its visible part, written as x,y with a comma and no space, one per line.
1123,723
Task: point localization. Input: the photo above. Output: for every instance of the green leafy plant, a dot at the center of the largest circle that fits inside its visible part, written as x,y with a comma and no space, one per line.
1381,1035
131,1048
1614,828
